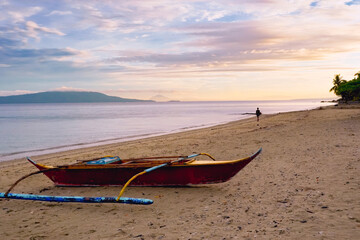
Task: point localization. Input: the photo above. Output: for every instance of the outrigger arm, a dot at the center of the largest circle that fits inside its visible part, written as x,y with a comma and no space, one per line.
48,198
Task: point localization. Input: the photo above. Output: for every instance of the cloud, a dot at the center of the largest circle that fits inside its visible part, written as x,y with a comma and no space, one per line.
68,89
165,43
127,17
16,92
8,42
16,14
13,55
275,37
18,24
60,13
41,68
33,30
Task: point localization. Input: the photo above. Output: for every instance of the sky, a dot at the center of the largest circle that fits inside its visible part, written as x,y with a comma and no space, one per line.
189,50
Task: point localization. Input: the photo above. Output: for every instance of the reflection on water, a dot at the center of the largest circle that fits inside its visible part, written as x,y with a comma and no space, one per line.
27,128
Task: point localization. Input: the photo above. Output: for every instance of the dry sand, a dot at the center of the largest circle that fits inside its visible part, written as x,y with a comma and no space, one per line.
305,185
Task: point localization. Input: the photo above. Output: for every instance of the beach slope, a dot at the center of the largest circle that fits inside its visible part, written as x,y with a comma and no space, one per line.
304,185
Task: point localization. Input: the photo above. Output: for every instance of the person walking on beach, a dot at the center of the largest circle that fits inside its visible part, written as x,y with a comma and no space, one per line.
258,113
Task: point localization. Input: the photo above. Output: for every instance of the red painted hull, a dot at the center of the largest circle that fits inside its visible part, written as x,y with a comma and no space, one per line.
117,174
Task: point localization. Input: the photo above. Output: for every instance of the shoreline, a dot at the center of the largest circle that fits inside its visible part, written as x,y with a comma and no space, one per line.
12,153
304,185
65,153
79,146
104,143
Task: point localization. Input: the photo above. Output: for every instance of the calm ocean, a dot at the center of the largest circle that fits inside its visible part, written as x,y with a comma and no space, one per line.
33,129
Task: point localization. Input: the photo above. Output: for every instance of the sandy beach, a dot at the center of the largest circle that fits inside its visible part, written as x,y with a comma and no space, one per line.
304,185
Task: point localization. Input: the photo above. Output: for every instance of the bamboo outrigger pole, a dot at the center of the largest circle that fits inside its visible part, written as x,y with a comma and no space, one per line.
48,198
78,199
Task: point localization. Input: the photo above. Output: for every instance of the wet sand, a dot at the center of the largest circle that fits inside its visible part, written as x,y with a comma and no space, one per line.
304,185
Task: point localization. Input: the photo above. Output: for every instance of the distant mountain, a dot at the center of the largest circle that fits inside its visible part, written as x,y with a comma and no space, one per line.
65,97
161,98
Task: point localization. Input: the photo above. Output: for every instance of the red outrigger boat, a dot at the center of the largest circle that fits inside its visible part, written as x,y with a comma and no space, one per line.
112,171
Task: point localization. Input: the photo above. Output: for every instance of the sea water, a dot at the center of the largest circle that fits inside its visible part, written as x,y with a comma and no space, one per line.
33,129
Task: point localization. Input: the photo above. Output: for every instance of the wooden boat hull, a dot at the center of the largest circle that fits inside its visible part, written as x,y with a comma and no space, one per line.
192,173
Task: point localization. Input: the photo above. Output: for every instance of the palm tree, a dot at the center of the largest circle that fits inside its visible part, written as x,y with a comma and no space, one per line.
357,75
337,81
